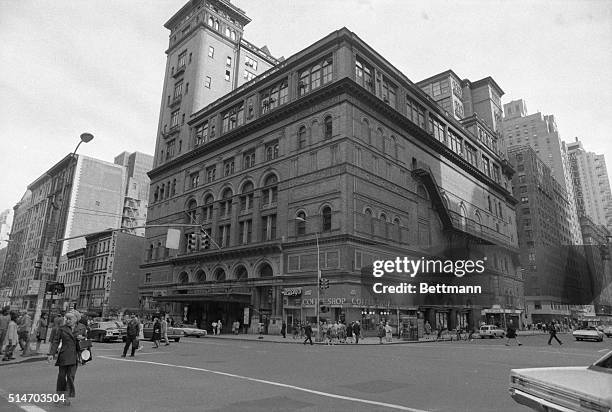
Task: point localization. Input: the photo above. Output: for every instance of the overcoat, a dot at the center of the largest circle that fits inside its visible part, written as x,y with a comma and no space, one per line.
68,353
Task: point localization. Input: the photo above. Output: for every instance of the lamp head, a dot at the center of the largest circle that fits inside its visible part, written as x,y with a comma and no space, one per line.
86,137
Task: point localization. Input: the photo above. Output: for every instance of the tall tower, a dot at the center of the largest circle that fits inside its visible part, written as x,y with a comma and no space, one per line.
207,58
136,199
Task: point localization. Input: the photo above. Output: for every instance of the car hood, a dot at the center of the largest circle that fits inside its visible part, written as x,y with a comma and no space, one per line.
576,380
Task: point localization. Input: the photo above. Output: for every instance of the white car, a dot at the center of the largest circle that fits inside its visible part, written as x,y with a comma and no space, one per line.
608,331
575,388
588,333
491,331
191,331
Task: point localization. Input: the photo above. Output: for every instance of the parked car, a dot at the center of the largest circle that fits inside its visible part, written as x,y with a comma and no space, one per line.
608,331
191,331
575,388
106,331
491,331
174,334
588,333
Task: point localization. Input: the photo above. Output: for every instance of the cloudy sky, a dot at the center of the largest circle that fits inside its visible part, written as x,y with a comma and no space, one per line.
71,66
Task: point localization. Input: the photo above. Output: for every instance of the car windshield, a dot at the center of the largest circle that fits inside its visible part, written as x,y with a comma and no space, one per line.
108,325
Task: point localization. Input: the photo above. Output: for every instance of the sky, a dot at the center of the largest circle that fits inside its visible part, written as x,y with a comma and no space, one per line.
97,66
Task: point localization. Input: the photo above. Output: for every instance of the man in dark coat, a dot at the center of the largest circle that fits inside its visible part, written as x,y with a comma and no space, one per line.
308,333
68,356
133,327
357,331
552,330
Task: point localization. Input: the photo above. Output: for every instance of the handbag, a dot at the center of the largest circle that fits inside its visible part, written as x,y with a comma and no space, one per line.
84,349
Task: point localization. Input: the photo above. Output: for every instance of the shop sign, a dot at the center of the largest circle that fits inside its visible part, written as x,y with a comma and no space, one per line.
291,291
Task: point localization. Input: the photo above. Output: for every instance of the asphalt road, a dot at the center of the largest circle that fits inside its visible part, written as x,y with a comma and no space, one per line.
226,375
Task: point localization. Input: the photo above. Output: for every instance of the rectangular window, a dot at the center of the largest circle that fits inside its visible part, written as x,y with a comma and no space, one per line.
248,159
195,179
170,148
455,143
227,75
415,112
249,62
437,129
182,59
228,167
174,119
210,174
496,174
207,81
211,51
246,229
274,96
224,236
201,134
470,155
486,167
178,90
233,118
314,76
272,150
363,75
389,92
268,226
248,75
228,61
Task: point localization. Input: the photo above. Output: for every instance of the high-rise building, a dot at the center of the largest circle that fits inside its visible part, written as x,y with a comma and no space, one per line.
69,274
6,221
331,161
76,196
137,185
555,270
542,135
207,58
591,184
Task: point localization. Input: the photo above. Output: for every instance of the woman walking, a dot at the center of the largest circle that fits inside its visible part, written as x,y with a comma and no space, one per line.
11,338
68,355
156,332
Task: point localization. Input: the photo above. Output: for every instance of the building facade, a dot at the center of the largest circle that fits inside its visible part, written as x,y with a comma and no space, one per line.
136,200
109,282
69,274
6,221
591,184
556,272
332,151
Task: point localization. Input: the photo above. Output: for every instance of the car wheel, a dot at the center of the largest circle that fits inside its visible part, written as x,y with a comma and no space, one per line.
177,339
198,336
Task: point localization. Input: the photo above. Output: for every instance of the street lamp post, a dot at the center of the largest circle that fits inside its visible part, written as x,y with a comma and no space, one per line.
317,306
59,233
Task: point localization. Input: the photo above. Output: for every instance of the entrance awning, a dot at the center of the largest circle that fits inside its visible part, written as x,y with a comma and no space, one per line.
233,297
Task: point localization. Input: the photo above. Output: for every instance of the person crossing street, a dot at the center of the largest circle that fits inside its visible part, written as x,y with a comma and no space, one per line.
133,327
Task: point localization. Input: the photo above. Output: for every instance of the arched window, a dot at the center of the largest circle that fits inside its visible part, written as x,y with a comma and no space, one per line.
369,221
161,192
183,278
301,137
300,223
397,227
328,127
366,133
227,31
217,25
463,214
270,190
173,187
200,276
394,151
219,275
156,194
226,203
233,35
383,217
246,198
208,208
241,273
265,271
326,222
210,22
191,211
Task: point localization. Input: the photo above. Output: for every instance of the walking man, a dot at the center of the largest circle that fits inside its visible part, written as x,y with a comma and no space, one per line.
511,334
357,331
552,330
308,332
164,330
133,328
23,330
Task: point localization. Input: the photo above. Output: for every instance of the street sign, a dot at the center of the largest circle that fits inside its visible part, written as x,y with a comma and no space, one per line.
48,265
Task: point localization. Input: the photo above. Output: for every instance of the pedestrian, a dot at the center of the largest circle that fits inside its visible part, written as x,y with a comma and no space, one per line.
219,325
388,332
308,333
164,330
553,334
11,338
68,355
349,332
357,331
24,326
296,330
133,328
156,332
214,328
5,318
511,334
284,330
235,327
41,331
140,334
427,328
381,332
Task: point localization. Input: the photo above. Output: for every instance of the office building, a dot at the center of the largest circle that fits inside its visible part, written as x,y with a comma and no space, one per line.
136,200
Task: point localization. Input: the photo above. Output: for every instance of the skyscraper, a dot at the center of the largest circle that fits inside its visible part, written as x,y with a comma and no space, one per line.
136,198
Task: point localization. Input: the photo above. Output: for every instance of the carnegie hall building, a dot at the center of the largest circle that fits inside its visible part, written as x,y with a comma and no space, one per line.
332,150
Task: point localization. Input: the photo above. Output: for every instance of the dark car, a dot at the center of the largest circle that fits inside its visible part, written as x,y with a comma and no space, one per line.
173,334
106,331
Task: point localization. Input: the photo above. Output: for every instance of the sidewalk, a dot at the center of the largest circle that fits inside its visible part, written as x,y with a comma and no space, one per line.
32,357
370,340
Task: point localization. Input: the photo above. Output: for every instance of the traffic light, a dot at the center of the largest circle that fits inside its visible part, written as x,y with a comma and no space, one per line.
191,242
204,239
324,283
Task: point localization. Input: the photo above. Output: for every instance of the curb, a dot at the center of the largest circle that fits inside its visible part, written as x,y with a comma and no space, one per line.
299,341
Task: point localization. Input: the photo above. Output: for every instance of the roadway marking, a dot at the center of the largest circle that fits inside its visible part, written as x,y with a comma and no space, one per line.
282,385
